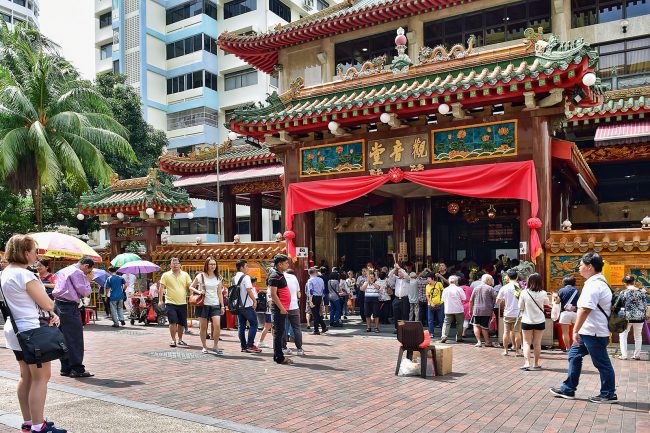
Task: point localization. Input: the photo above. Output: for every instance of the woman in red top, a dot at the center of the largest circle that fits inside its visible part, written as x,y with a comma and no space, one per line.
45,275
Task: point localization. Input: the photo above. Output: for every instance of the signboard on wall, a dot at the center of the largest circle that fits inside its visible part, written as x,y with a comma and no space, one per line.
302,252
412,150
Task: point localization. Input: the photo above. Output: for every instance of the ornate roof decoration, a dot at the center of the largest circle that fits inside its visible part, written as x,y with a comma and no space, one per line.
620,152
222,251
134,196
440,53
261,50
473,80
629,102
204,159
581,241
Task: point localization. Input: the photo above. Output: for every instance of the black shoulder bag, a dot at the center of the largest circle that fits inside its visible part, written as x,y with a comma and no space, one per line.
39,345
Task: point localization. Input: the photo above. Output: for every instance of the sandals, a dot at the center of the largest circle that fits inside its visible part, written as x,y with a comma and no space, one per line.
172,344
287,361
368,330
216,351
524,368
204,351
537,367
182,343
376,330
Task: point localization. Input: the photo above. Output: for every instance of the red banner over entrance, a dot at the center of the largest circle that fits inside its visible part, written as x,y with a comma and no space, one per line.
502,180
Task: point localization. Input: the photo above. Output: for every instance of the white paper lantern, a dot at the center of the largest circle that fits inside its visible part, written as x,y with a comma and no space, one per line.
443,109
150,212
190,215
385,117
589,79
120,216
81,216
333,126
232,136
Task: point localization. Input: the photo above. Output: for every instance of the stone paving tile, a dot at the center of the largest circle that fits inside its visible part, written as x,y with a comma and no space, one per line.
346,383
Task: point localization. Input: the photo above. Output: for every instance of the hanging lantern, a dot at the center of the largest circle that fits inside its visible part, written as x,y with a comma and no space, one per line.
491,212
453,208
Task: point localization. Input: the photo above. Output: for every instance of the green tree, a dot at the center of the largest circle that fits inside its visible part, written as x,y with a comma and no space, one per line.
13,209
126,106
53,127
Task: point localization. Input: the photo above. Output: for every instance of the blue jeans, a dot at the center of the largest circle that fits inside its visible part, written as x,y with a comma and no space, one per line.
344,303
431,319
117,313
596,347
335,311
247,315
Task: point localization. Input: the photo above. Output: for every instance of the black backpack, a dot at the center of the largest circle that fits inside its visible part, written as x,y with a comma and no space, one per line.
261,302
235,304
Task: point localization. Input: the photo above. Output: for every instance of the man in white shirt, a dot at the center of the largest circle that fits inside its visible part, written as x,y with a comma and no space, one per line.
508,296
293,313
591,333
452,299
401,305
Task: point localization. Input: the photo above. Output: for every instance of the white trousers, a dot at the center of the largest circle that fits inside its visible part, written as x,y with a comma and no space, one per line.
622,337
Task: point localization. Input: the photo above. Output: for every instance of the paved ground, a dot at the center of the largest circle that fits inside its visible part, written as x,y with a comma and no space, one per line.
344,383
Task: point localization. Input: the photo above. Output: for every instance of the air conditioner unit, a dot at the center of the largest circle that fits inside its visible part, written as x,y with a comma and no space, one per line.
308,4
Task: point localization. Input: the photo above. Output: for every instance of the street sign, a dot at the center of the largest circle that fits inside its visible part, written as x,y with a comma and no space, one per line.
302,252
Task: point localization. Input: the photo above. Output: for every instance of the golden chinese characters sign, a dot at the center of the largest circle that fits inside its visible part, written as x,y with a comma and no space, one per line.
412,150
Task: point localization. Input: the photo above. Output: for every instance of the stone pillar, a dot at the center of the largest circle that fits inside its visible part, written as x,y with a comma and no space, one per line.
399,222
415,36
229,214
256,217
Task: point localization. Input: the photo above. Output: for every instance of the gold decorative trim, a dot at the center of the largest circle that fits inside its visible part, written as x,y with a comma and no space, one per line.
582,241
623,152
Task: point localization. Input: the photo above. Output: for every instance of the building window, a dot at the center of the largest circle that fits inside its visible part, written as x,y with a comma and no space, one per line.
191,9
590,12
625,64
6,18
106,51
210,80
236,80
185,46
274,81
193,80
238,7
491,26
195,226
321,4
210,44
243,225
116,66
358,51
280,9
20,2
193,117
105,20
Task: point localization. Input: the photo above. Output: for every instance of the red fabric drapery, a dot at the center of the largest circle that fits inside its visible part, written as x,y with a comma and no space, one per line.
502,180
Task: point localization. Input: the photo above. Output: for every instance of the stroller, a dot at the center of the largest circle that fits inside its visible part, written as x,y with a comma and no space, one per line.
147,311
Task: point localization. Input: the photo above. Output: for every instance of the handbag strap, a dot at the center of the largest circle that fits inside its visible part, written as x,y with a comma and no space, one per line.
11,315
573,296
535,302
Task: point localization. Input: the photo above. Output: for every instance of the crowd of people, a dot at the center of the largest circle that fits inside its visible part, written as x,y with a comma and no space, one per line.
436,296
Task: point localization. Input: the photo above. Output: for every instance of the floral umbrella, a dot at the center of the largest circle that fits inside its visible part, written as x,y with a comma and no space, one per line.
61,246
122,259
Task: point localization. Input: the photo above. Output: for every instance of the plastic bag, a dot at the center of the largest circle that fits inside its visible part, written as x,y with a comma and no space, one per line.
555,312
409,368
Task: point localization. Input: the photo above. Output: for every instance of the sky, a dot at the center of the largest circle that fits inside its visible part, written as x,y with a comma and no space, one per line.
70,23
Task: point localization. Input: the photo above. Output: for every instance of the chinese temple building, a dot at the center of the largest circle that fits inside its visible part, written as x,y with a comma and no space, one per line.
233,174
136,209
438,153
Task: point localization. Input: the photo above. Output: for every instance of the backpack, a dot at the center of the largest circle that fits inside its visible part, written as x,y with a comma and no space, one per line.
616,324
262,303
235,304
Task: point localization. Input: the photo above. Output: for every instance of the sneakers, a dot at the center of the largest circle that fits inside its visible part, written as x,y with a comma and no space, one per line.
443,339
253,349
49,428
27,428
122,322
599,399
300,352
81,374
262,345
287,352
569,395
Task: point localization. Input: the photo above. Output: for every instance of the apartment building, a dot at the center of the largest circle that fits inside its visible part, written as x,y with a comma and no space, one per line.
18,11
188,86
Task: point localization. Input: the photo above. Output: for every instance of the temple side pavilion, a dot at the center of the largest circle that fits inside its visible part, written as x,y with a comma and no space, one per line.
447,154
233,173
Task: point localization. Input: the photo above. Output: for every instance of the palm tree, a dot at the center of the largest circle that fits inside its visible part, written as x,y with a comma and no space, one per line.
53,126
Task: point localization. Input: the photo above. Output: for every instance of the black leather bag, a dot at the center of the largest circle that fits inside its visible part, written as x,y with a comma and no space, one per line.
39,345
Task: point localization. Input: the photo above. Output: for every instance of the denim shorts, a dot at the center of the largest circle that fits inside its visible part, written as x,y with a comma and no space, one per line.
207,311
177,314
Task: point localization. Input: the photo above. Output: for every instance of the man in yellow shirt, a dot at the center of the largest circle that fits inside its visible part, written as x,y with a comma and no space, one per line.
434,298
175,284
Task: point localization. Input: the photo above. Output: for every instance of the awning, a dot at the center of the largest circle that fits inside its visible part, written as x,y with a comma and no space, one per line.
626,133
568,152
232,176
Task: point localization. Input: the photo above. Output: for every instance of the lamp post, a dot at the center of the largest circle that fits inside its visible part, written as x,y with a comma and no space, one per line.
219,219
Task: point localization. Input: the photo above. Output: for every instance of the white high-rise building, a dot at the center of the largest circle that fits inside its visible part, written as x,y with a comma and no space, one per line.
18,11
187,84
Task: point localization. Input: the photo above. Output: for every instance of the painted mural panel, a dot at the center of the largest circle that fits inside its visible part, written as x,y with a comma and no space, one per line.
345,157
563,266
477,141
